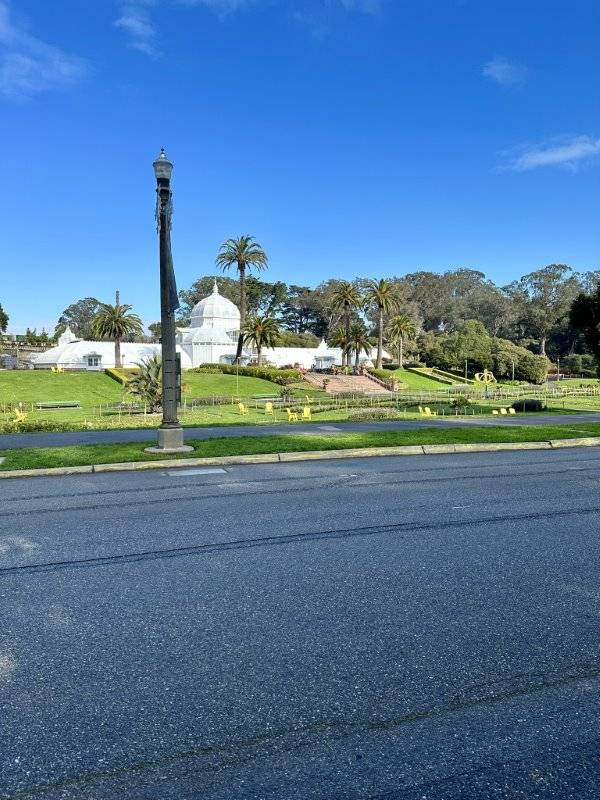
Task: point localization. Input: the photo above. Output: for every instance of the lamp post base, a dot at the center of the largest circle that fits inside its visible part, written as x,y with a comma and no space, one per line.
170,440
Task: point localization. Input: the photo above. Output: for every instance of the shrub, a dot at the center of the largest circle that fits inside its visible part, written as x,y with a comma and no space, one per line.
379,373
117,375
368,414
460,401
44,426
529,405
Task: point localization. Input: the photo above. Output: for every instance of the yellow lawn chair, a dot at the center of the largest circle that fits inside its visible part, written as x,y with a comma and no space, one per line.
292,415
495,412
20,416
512,411
504,412
306,413
54,369
269,409
309,400
429,412
243,409
421,412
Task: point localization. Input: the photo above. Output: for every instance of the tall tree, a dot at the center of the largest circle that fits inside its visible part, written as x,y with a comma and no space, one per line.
382,295
401,329
3,320
584,316
245,254
79,317
545,297
116,323
155,329
345,299
358,342
339,338
301,312
261,332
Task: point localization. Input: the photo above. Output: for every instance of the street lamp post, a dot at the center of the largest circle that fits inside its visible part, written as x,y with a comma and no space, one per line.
170,433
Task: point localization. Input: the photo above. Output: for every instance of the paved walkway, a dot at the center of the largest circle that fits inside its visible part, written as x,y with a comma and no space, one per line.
24,440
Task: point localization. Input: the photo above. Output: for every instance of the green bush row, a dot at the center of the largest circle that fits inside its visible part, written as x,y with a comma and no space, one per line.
429,374
280,376
121,376
382,374
529,405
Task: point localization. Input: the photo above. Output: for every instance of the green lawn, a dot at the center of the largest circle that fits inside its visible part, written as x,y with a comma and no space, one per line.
206,385
96,388
31,386
83,455
419,383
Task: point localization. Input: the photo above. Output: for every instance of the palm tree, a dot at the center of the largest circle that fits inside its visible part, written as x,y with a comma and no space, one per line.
246,254
339,338
116,323
345,299
358,342
401,328
261,332
147,383
381,294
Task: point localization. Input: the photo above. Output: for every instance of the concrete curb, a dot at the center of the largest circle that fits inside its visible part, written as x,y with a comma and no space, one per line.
314,455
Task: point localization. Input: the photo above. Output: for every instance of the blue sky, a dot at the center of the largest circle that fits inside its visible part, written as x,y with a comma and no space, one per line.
352,137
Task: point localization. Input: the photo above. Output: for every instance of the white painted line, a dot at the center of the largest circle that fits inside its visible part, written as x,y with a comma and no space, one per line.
331,428
179,473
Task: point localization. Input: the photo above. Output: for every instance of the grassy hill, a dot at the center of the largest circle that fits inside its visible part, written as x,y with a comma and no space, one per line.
95,388
418,383
30,386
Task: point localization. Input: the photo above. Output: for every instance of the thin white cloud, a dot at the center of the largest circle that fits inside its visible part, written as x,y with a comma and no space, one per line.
28,65
504,72
570,152
135,20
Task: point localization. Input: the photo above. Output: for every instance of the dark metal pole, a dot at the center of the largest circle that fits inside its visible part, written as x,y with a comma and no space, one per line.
170,432
167,317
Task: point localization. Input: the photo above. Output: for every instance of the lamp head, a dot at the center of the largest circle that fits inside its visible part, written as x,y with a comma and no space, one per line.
163,168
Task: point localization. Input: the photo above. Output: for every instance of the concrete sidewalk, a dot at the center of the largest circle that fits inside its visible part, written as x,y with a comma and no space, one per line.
27,440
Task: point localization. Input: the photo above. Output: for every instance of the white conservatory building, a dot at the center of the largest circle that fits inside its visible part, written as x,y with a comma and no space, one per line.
210,339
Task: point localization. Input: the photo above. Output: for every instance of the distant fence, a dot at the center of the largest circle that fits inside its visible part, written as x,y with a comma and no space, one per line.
399,399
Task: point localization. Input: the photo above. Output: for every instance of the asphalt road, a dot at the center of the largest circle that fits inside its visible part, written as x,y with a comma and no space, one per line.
25,440
410,628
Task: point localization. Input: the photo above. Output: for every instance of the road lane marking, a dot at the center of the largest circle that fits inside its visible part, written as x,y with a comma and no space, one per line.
179,473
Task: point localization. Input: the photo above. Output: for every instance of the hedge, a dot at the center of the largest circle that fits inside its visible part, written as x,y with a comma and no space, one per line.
121,376
530,404
382,374
278,376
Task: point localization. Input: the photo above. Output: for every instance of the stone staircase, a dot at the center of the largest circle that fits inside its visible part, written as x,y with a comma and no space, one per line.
346,384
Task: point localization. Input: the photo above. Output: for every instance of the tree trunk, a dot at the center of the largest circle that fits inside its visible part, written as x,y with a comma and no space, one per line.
118,353
356,360
259,355
348,357
543,346
401,353
380,340
238,354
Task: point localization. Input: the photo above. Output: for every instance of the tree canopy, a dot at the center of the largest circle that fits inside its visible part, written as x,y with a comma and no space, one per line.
79,317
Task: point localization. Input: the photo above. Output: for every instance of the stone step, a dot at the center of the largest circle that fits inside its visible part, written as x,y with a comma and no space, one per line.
337,384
